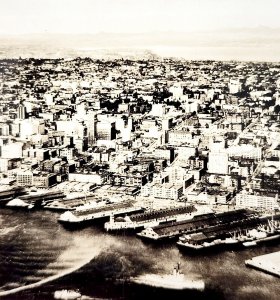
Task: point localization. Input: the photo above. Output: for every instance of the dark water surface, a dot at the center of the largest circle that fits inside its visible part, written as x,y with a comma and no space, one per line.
33,247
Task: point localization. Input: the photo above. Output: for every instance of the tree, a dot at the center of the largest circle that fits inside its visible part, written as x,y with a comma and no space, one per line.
277,109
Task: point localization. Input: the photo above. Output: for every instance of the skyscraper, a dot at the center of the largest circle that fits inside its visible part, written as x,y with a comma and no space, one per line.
21,112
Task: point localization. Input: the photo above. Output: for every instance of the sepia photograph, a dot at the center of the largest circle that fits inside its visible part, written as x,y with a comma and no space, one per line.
139,149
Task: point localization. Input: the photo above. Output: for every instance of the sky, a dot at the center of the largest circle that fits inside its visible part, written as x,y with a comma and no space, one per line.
131,16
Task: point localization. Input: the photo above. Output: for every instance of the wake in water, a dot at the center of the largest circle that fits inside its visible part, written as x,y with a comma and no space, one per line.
4,231
110,256
80,252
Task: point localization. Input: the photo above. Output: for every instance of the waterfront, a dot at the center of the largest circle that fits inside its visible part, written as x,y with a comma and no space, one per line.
33,246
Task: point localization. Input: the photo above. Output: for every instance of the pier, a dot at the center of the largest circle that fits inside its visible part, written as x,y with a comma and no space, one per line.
234,218
151,218
103,212
268,263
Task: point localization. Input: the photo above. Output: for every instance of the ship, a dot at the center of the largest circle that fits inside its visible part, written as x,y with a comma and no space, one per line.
81,217
67,294
224,236
173,281
228,236
198,241
263,234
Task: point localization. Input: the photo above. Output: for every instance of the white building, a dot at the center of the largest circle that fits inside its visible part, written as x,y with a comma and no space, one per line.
235,86
68,152
177,91
218,162
24,178
31,126
163,191
218,157
11,150
179,137
71,128
158,110
3,164
245,151
86,178
257,201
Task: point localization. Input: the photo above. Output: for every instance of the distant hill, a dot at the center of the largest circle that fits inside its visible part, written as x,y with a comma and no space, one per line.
240,44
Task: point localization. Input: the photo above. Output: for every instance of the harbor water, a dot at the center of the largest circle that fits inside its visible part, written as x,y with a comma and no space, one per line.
36,250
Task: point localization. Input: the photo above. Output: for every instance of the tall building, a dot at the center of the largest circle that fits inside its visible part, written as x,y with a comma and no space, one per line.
91,126
166,123
218,158
125,128
177,91
218,162
105,130
31,126
11,150
4,129
158,110
235,86
21,112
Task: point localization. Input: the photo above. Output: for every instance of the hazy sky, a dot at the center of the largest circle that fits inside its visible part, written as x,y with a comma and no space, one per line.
93,16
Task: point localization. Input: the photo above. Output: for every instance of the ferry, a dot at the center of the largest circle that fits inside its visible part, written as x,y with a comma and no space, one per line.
173,281
67,294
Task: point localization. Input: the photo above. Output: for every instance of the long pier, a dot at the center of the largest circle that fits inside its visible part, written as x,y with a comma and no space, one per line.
234,218
150,218
82,217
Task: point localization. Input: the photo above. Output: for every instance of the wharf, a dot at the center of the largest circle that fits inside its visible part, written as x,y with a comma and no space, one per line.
66,204
84,216
268,263
150,218
35,199
234,218
7,195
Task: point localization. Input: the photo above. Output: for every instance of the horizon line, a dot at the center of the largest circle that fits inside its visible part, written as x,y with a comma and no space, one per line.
142,32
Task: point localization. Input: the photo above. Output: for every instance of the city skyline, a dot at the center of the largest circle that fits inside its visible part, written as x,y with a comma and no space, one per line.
111,141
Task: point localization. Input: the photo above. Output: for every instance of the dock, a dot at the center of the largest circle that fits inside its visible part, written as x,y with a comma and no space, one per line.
268,263
100,212
150,218
210,221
